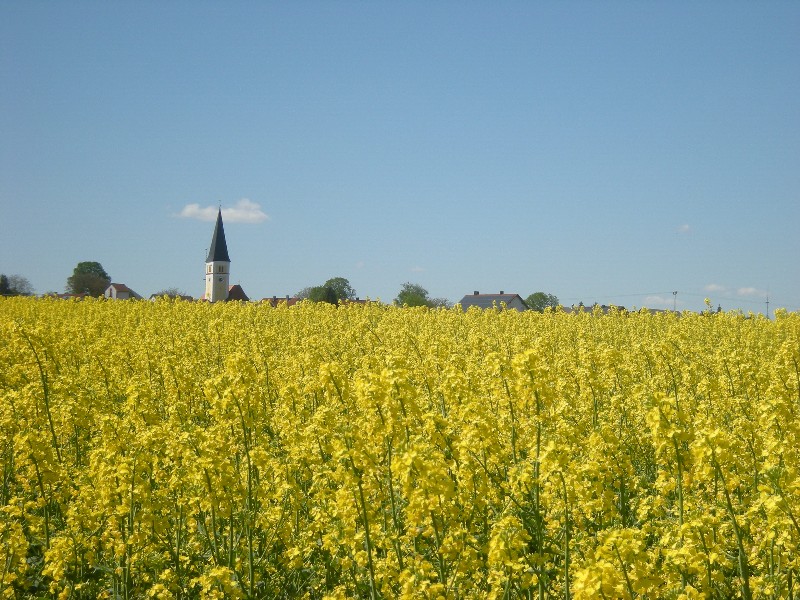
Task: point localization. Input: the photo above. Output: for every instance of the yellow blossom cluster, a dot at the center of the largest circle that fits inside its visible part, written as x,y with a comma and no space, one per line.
183,450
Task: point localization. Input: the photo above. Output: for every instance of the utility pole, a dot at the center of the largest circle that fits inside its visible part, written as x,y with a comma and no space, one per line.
674,300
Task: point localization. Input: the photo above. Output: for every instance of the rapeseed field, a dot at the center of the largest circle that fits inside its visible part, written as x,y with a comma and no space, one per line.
184,450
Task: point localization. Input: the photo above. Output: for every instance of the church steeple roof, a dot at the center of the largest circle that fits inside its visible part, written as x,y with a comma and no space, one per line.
219,249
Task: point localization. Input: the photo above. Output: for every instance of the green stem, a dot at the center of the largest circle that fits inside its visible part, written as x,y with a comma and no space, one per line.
178,549
395,520
46,395
46,503
679,462
566,536
372,593
744,568
624,572
213,538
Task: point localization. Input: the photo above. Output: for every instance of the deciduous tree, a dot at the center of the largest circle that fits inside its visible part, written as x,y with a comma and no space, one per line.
15,285
333,291
171,292
20,285
342,288
322,293
88,277
541,300
413,294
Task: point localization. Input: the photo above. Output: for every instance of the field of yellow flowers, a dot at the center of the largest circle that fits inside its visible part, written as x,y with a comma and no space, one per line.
183,450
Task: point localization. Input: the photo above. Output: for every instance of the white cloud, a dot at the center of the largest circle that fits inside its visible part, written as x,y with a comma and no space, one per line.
715,287
193,211
661,302
417,269
244,211
684,228
751,291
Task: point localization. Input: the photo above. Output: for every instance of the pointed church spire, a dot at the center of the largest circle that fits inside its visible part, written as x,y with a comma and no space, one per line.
219,249
218,265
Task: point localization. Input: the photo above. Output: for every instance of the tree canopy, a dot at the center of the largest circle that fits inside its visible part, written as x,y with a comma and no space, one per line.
342,288
322,293
413,294
88,277
541,300
15,285
171,292
21,285
332,291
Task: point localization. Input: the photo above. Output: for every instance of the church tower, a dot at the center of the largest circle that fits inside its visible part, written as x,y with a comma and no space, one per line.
218,265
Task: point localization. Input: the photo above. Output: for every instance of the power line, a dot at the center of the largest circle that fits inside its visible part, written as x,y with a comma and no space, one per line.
788,305
620,295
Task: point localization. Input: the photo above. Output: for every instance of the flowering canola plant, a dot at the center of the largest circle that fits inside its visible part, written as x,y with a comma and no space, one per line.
176,450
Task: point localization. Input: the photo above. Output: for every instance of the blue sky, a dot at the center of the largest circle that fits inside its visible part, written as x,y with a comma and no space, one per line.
609,152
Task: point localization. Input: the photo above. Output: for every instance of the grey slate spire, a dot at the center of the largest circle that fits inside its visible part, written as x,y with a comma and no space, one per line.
219,249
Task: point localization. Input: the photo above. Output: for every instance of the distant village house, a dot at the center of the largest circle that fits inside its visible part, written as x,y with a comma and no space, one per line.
120,291
483,301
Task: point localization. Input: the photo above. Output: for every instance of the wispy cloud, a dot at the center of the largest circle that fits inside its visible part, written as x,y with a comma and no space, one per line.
417,269
684,228
742,292
751,292
244,211
661,302
715,288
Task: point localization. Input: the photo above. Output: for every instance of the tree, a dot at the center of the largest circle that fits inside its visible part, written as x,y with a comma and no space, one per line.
440,303
322,293
333,291
342,288
541,300
88,278
413,294
20,285
15,285
171,292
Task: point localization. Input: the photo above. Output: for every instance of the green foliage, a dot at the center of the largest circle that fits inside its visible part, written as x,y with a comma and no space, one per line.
541,300
342,288
15,285
413,294
20,285
171,292
332,291
322,293
88,277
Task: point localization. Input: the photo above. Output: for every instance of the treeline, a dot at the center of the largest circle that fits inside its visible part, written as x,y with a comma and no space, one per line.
15,285
91,278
